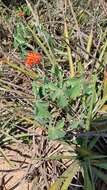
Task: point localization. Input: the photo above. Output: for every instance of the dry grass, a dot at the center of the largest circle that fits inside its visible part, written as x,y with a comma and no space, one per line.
22,139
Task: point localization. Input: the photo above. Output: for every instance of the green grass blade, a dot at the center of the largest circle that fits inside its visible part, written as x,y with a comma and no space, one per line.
88,183
103,51
102,164
66,177
100,174
89,44
22,69
46,51
89,116
71,174
69,50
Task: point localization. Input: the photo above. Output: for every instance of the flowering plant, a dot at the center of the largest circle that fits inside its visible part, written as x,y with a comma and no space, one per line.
21,14
32,58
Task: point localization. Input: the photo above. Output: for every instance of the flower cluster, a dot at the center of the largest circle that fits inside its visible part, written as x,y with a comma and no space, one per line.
21,14
32,58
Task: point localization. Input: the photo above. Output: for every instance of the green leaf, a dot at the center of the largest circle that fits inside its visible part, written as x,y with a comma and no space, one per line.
70,175
57,72
102,165
62,101
60,124
92,142
42,110
51,86
56,132
21,36
60,98
73,88
87,89
58,93
27,11
76,81
74,125
92,102
76,91
100,174
34,88
63,182
88,182
19,40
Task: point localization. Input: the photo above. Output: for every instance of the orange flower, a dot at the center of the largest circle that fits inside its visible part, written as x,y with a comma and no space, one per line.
32,58
21,14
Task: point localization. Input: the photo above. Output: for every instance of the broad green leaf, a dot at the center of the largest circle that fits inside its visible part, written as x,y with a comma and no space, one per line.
74,81
51,86
58,93
60,124
42,110
60,98
35,86
87,87
55,133
21,36
62,101
76,91
74,125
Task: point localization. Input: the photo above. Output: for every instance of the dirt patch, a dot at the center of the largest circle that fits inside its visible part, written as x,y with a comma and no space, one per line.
12,175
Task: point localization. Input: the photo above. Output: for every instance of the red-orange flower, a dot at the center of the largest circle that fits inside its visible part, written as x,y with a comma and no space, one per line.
21,14
32,58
